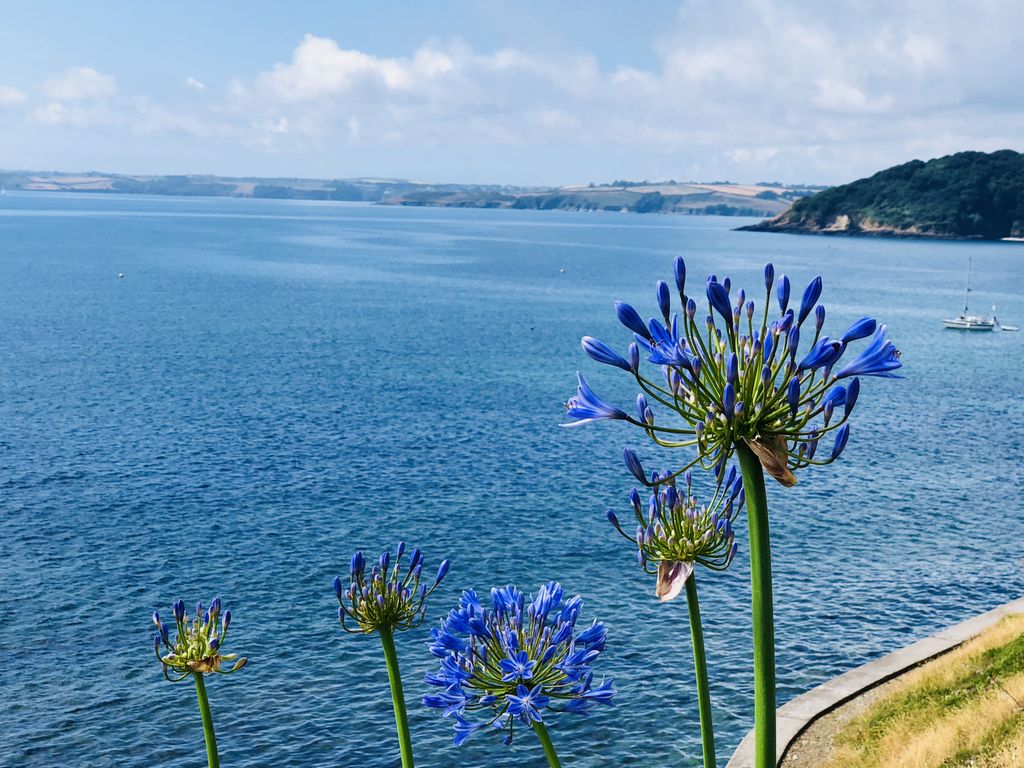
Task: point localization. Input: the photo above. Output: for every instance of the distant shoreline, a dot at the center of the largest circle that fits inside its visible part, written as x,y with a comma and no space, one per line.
694,198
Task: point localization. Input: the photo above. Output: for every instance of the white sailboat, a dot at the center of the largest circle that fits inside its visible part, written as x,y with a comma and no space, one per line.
967,321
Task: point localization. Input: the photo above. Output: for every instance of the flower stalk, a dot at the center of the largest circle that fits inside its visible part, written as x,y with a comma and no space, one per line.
212,758
197,649
389,597
760,607
700,667
397,696
549,748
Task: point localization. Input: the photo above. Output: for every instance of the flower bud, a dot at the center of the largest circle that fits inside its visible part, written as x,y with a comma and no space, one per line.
852,391
769,276
602,353
641,407
664,300
442,570
679,267
357,564
842,435
718,297
633,465
631,319
811,294
613,519
859,330
782,292
793,395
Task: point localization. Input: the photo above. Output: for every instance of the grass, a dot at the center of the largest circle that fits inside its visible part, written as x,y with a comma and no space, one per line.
964,709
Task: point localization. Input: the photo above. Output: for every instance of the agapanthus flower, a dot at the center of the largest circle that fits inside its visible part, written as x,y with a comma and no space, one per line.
515,661
198,643
391,596
738,375
675,531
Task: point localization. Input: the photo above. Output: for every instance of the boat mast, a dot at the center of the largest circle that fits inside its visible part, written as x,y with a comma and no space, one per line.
967,293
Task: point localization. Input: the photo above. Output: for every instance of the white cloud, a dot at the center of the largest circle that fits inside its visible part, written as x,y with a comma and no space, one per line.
11,97
320,67
80,84
56,113
786,89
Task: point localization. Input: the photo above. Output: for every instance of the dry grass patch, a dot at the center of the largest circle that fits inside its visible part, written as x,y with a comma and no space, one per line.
962,710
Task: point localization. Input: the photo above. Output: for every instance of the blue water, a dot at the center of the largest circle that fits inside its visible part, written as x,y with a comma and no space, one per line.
274,384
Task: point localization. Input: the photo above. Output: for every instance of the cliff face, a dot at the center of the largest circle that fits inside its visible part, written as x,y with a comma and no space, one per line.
969,195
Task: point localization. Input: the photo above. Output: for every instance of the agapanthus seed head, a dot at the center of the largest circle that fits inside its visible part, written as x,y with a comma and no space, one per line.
514,661
196,648
680,532
390,598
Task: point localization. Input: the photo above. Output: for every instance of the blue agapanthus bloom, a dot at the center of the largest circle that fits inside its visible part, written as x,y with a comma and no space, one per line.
739,375
674,531
515,661
391,596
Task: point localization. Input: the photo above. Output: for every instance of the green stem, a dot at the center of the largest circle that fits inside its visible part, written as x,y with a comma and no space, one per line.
549,748
397,697
700,667
204,710
761,607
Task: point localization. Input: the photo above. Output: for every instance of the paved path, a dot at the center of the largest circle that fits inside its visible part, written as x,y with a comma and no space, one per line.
793,717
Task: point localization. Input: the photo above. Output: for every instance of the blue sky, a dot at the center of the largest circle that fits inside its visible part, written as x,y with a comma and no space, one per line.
503,92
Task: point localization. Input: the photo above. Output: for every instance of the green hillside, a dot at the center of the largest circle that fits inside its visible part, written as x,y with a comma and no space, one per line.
966,195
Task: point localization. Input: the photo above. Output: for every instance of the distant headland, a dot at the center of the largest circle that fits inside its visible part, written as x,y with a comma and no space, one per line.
718,197
969,195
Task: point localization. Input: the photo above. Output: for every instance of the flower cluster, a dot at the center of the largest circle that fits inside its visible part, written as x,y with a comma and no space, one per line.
736,376
676,531
198,641
515,661
391,597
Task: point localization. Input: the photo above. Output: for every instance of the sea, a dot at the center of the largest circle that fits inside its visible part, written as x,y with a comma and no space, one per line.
204,397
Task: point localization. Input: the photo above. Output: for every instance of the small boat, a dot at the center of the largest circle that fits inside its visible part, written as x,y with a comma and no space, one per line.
967,321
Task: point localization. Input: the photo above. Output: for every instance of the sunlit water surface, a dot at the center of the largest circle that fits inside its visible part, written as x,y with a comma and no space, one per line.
274,384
